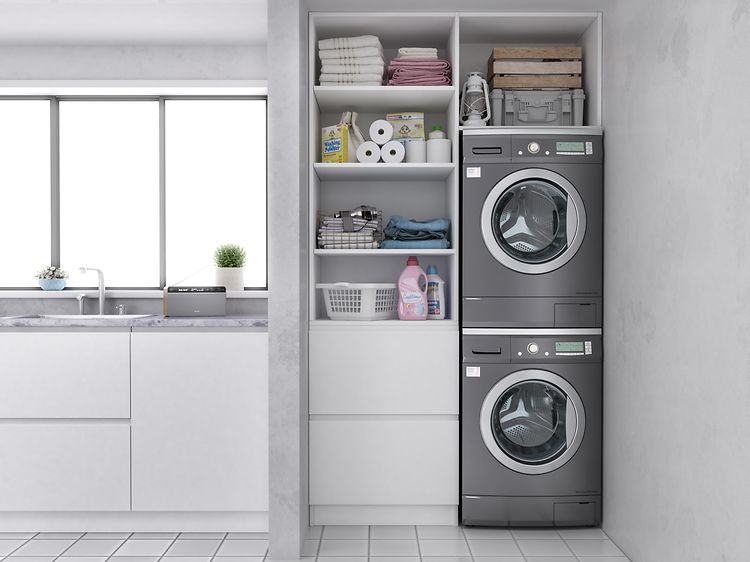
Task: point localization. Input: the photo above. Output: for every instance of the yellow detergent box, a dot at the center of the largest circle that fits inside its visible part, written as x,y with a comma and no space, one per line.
407,126
335,144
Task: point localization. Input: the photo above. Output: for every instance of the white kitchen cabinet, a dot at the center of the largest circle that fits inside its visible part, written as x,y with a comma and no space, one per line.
384,371
74,466
365,461
199,420
65,374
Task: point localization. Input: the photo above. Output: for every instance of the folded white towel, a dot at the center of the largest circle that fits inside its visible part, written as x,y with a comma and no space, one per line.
373,83
352,69
417,52
348,53
349,42
355,60
350,78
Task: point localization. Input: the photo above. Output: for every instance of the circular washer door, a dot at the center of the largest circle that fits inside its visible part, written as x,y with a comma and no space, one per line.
533,221
532,421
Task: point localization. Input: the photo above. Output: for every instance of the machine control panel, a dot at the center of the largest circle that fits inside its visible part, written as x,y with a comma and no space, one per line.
565,148
555,349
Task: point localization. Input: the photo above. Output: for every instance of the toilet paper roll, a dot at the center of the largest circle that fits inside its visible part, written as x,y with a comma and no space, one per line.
381,131
439,150
393,152
367,152
416,151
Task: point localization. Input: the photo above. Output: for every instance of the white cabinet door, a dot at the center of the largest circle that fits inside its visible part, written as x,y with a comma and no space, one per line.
200,421
64,466
71,374
383,462
384,371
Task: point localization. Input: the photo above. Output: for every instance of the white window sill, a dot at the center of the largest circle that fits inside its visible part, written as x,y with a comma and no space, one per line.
113,294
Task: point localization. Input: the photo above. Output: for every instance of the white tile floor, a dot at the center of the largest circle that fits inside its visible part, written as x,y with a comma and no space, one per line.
323,544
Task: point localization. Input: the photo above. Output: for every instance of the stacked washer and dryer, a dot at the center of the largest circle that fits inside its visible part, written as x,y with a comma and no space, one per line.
531,317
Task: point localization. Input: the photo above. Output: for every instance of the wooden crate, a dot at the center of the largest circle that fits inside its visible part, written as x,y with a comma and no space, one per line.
535,67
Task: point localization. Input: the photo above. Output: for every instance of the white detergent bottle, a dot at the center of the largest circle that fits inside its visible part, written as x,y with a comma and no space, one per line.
435,294
412,292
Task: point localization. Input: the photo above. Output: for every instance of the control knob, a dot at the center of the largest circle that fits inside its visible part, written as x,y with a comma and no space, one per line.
534,147
533,348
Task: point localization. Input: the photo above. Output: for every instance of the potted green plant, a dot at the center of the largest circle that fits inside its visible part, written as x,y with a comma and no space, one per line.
52,278
230,262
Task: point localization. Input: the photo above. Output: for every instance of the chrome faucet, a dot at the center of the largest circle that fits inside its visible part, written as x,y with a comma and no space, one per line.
80,298
101,286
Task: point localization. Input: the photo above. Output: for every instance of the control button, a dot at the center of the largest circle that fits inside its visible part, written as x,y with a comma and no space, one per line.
520,152
519,354
533,348
546,353
534,147
546,152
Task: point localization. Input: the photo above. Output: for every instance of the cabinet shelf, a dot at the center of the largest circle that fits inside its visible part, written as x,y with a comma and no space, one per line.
383,98
383,171
385,252
446,324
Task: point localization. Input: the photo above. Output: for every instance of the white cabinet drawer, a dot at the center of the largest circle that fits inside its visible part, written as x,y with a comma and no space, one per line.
65,374
65,467
384,462
384,371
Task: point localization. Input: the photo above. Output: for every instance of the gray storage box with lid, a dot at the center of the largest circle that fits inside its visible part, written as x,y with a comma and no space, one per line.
537,107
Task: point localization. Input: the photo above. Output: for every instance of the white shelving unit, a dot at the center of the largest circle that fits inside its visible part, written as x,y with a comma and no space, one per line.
368,379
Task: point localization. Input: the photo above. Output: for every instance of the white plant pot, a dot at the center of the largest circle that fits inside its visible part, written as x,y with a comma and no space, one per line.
232,278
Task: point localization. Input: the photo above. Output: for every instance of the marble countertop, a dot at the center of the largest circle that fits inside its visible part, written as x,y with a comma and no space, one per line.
155,321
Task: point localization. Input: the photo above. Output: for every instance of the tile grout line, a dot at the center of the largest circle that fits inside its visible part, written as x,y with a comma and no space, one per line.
221,543
174,540
419,548
20,545
518,546
320,542
69,547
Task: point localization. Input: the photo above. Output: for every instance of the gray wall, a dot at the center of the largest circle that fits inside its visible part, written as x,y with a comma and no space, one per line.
136,62
677,314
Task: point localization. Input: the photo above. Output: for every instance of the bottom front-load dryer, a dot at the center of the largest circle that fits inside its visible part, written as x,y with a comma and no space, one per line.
531,452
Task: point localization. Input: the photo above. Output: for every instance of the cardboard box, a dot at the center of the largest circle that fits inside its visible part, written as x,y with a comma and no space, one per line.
407,126
335,144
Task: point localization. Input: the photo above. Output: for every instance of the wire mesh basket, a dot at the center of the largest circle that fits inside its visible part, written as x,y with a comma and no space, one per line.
356,229
360,301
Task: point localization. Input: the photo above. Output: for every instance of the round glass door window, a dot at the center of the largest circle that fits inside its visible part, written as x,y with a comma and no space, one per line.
528,221
533,221
528,422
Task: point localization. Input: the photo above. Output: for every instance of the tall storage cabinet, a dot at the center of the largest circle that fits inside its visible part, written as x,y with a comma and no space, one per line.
384,395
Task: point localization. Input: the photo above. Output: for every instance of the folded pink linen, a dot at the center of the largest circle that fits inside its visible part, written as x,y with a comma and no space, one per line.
423,80
422,64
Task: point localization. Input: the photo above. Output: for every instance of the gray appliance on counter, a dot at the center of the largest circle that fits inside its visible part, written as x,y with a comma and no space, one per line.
531,243
531,427
195,301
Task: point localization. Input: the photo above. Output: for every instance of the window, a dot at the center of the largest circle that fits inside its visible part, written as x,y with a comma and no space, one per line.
25,216
146,188
215,157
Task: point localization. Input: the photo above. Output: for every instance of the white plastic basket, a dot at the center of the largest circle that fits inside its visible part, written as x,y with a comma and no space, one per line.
360,301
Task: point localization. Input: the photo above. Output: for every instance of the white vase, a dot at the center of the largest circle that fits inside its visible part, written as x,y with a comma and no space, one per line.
231,277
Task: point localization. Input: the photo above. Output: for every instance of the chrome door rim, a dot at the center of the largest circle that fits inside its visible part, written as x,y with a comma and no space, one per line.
527,375
574,199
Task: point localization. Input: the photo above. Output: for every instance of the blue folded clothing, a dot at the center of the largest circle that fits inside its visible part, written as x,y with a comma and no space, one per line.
441,244
401,228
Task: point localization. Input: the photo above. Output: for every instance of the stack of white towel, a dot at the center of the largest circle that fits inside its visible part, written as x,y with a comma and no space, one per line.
351,60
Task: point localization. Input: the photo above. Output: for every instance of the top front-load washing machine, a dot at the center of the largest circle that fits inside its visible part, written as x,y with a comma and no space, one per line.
531,238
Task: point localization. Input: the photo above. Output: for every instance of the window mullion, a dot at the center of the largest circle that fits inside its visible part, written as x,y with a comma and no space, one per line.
55,181
162,196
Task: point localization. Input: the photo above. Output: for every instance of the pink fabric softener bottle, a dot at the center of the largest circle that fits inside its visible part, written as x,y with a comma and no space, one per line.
412,292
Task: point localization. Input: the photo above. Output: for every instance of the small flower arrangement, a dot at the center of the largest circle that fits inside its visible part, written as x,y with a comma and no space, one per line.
52,272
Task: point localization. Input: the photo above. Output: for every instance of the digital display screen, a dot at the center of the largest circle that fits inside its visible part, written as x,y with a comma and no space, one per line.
571,147
569,346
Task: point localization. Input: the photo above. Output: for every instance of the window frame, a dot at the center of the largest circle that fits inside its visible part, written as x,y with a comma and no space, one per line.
55,173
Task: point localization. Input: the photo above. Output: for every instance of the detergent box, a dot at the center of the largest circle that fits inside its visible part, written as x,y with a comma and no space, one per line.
407,126
335,144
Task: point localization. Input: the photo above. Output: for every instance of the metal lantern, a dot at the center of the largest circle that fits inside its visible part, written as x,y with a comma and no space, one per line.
475,101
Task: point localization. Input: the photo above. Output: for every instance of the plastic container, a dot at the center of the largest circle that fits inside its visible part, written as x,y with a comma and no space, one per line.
435,294
437,132
542,108
412,292
360,301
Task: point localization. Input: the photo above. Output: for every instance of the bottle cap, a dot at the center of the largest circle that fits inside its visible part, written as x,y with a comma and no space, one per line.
437,128
432,269
412,260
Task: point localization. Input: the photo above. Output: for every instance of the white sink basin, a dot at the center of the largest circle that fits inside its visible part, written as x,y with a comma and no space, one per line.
94,316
